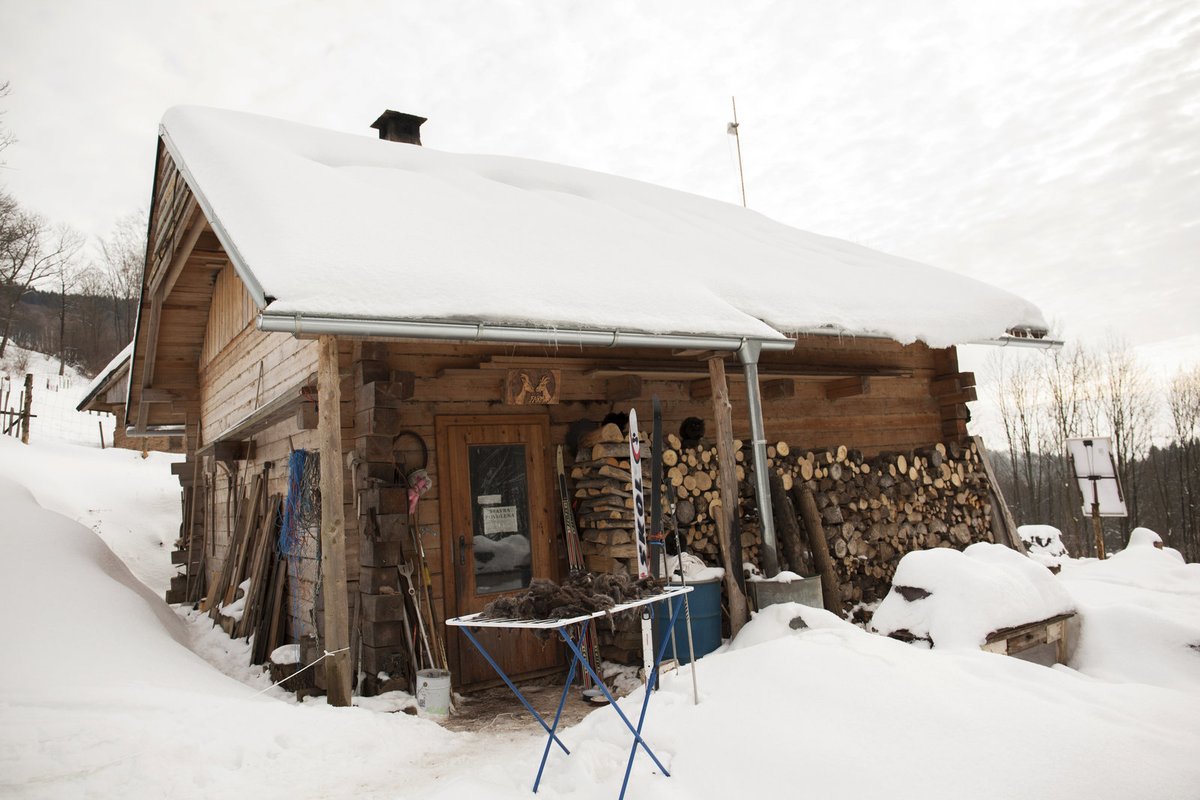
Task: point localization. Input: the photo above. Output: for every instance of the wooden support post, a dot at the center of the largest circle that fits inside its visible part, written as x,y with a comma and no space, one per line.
727,533
27,408
333,524
787,529
807,507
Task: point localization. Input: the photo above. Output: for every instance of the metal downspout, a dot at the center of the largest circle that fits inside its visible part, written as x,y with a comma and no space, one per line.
748,356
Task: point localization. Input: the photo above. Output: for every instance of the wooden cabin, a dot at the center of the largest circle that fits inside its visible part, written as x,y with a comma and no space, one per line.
393,309
107,394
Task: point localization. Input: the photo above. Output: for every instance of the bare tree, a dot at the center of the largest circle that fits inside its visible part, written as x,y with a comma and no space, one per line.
1129,407
123,256
67,277
1183,402
30,252
6,136
1069,376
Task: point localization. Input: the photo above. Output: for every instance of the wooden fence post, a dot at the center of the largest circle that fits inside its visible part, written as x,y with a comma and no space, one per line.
27,409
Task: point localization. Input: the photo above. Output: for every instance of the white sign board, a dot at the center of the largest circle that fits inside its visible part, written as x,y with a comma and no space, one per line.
499,519
1096,473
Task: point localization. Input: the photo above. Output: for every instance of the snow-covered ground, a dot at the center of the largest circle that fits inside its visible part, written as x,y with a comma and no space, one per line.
108,692
132,503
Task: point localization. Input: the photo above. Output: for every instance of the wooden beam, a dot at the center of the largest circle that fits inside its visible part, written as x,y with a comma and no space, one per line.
275,409
728,536
231,451
333,525
196,225
700,389
778,390
151,395
626,387
847,387
949,384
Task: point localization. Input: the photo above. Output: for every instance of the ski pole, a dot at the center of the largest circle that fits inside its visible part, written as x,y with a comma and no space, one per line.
687,607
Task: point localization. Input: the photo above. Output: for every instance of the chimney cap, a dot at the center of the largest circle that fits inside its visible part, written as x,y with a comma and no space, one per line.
399,127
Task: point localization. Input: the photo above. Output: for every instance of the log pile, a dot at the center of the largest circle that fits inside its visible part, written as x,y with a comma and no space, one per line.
604,500
870,510
873,509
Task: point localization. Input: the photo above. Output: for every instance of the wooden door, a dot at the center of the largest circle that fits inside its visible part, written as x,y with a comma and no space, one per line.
497,530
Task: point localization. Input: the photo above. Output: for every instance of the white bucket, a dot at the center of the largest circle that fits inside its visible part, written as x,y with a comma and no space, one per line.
433,691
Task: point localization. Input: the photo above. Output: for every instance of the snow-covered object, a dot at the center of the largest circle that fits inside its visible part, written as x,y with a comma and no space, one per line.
286,654
985,588
333,224
1044,544
694,569
1144,537
779,620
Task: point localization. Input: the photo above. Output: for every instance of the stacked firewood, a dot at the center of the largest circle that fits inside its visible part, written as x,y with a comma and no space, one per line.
873,510
604,509
690,481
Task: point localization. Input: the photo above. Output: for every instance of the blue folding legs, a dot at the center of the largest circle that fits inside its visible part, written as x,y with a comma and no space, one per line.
577,659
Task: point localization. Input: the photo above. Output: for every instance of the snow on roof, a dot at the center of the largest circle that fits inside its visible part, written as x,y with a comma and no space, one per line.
103,376
338,225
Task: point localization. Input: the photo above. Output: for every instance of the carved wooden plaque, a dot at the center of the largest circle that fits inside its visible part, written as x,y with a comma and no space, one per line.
532,387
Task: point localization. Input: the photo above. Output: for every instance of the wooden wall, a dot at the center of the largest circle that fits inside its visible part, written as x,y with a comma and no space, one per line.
808,405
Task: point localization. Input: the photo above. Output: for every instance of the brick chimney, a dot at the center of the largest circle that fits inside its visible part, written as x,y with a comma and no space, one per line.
397,127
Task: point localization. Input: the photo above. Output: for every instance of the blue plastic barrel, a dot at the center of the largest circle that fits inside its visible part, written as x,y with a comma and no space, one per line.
705,603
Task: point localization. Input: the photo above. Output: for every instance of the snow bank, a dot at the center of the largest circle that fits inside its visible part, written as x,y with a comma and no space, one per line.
972,593
301,204
1139,614
101,697
132,503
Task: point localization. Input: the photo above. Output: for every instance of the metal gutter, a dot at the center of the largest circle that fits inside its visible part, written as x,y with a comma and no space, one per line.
299,325
154,430
1020,341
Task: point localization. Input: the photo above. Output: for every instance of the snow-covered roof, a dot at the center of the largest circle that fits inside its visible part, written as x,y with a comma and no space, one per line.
118,362
321,223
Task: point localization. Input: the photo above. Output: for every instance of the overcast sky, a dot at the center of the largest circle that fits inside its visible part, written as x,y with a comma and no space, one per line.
1050,148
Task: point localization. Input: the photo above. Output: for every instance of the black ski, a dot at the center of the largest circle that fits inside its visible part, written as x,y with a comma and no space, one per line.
657,557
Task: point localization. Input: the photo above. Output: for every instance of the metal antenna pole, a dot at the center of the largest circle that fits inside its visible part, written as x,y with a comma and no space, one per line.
733,128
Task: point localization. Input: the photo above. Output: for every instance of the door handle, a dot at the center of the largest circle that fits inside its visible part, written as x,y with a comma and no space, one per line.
462,547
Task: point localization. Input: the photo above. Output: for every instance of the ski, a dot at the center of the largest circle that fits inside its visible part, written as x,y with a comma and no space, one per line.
657,557
570,529
643,544
576,565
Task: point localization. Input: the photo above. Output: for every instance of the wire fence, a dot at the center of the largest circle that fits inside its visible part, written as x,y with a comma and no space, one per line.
53,414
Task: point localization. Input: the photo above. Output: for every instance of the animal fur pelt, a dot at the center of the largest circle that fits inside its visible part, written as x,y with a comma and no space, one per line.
579,595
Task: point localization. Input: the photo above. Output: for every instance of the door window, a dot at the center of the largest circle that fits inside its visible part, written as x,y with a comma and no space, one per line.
500,512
